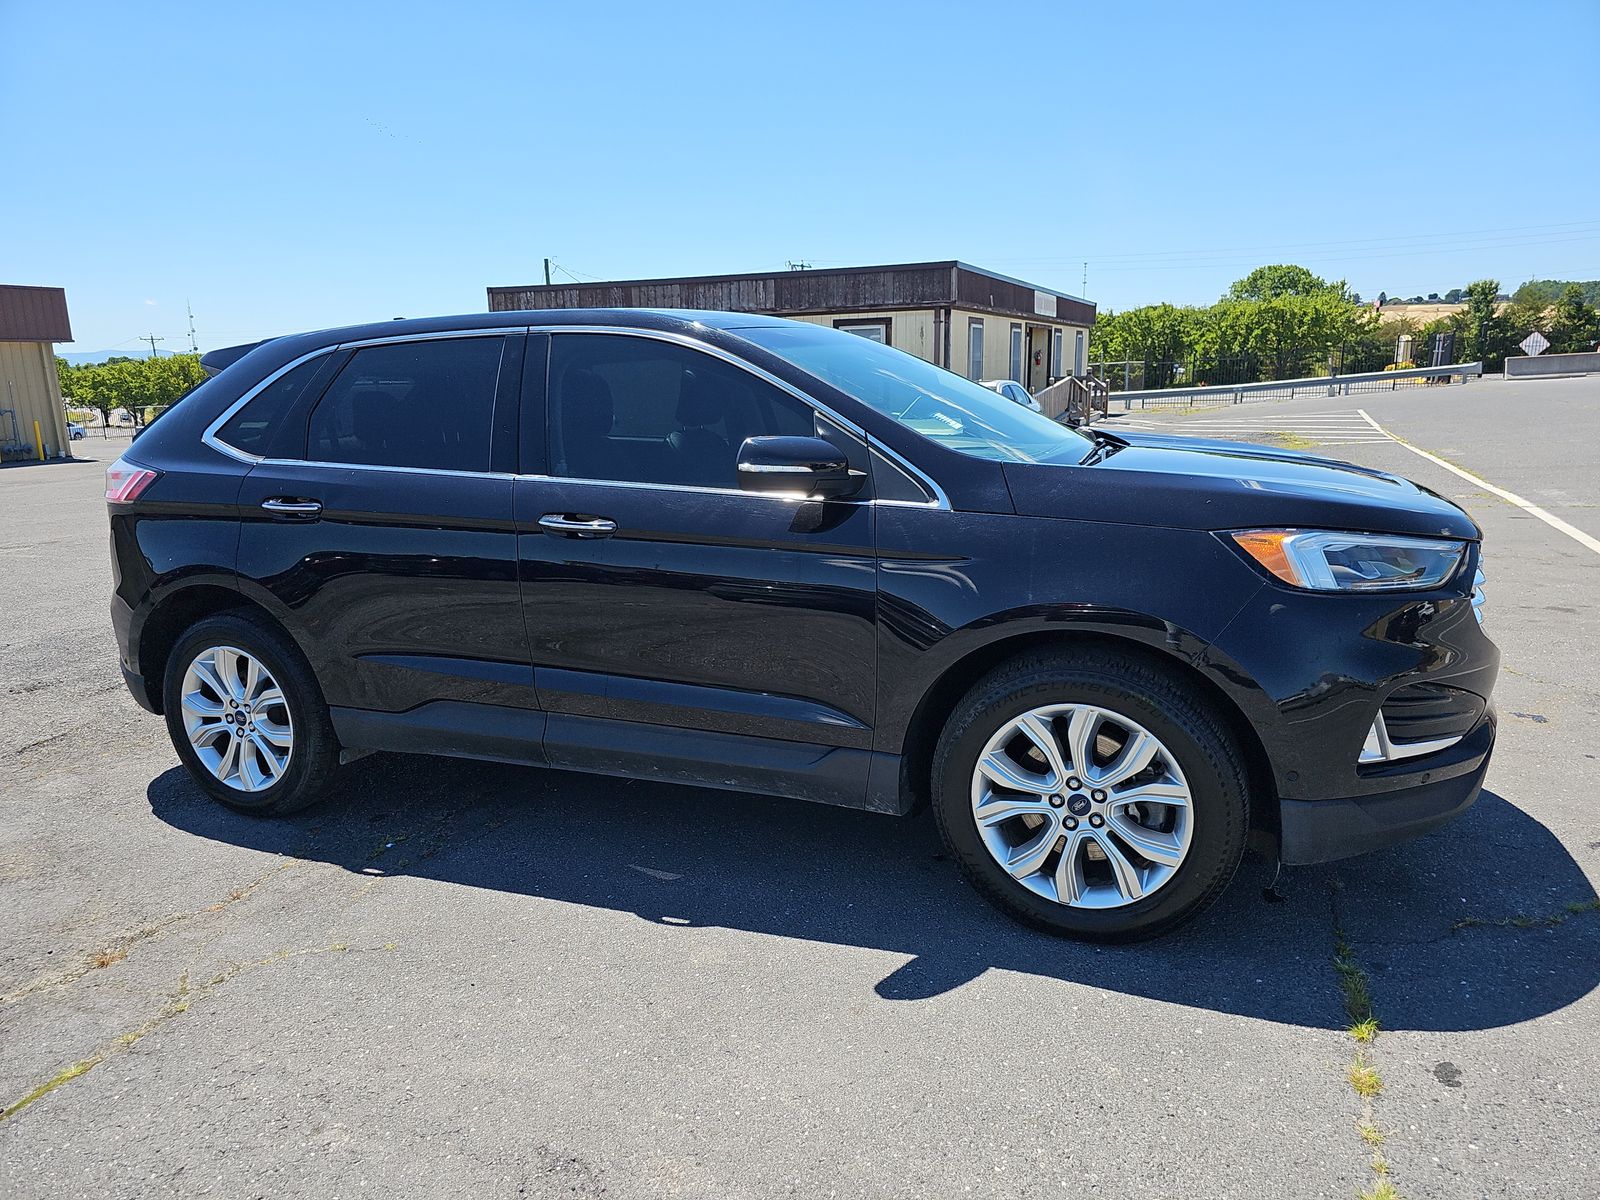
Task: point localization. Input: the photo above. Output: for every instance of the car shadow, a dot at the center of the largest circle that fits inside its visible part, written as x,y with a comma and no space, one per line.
690,857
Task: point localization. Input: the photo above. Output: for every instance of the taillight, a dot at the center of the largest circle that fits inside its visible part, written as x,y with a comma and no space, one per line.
126,481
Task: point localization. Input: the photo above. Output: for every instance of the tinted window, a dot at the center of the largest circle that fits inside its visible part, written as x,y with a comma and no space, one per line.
647,411
939,405
411,404
252,427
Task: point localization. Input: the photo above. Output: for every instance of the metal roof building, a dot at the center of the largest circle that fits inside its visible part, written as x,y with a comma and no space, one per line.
32,320
976,322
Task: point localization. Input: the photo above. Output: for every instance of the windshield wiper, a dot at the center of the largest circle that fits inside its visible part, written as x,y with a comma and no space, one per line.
1105,444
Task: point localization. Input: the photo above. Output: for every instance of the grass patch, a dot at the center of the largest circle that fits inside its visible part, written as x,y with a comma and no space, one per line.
50,1085
1364,1078
1366,1031
1382,1190
1572,908
1292,441
1355,989
1371,1134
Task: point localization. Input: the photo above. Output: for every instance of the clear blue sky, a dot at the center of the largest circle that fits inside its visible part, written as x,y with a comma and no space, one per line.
287,166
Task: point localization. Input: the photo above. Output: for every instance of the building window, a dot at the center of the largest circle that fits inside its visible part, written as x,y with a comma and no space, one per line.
1055,353
1077,355
975,348
1016,352
873,331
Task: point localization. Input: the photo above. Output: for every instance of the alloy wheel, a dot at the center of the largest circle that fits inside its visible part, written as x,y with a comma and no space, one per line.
237,718
1082,805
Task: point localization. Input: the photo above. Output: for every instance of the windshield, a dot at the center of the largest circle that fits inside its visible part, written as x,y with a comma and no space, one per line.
938,404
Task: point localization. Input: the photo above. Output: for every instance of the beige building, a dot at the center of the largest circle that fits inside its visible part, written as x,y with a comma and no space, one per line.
32,320
974,322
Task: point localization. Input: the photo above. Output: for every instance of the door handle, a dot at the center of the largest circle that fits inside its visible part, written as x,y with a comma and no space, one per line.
294,510
584,527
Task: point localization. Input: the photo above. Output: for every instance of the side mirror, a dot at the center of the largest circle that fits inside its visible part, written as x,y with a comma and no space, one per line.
796,466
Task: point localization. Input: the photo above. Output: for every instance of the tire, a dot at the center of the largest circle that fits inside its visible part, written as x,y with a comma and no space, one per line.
312,757
1194,754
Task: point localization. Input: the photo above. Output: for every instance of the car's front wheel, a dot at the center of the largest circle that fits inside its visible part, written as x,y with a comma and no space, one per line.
247,718
1091,795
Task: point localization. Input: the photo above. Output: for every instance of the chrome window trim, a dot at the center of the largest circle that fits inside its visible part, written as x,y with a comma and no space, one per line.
210,438
941,499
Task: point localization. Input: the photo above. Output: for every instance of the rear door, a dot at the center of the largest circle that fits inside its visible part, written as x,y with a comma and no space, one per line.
679,626
384,535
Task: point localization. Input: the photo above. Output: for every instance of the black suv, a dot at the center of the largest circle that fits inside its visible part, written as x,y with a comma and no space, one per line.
739,552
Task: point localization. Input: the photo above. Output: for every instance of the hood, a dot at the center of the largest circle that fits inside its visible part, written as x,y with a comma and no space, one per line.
1194,483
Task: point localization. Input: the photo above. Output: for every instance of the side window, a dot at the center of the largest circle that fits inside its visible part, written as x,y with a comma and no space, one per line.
640,410
252,428
411,404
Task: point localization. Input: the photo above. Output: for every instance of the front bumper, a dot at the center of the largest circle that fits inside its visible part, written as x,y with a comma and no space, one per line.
1419,796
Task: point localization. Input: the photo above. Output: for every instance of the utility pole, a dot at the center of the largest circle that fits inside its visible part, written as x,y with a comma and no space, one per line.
152,339
547,272
194,346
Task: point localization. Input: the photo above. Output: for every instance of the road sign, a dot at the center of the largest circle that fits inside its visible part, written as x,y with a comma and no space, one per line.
1534,344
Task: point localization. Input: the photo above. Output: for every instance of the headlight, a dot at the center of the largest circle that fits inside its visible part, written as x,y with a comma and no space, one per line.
1352,562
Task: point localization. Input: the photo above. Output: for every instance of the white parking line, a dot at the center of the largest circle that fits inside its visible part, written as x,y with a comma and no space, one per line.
1550,519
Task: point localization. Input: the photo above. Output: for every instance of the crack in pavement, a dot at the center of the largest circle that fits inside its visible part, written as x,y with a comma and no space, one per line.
179,999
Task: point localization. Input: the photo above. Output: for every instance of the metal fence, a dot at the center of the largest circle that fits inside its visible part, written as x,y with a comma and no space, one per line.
1361,357
1288,389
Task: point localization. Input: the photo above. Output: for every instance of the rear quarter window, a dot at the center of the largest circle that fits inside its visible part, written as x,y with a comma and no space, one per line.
252,428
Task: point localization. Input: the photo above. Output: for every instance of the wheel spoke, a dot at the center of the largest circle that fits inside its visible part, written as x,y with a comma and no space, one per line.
1141,748
274,764
230,760
1027,858
227,663
1081,729
252,680
1158,847
201,705
999,767
207,673
1042,734
1069,871
998,807
279,735
1160,792
1123,873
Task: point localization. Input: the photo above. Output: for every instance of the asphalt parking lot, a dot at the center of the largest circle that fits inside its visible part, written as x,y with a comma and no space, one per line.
462,978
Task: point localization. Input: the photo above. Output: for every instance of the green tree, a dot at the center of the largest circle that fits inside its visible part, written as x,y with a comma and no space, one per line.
142,386
1574,324
1453,296
1485,331
1283,279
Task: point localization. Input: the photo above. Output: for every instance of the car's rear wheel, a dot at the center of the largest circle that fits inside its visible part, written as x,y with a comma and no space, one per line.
1093,795
247,718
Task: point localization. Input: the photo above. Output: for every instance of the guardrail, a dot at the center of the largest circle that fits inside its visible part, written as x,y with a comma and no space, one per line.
1287,389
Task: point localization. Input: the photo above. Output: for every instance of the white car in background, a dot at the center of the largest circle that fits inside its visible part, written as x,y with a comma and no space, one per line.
76,432
1012,390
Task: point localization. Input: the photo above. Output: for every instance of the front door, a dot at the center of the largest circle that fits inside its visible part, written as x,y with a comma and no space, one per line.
679,627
